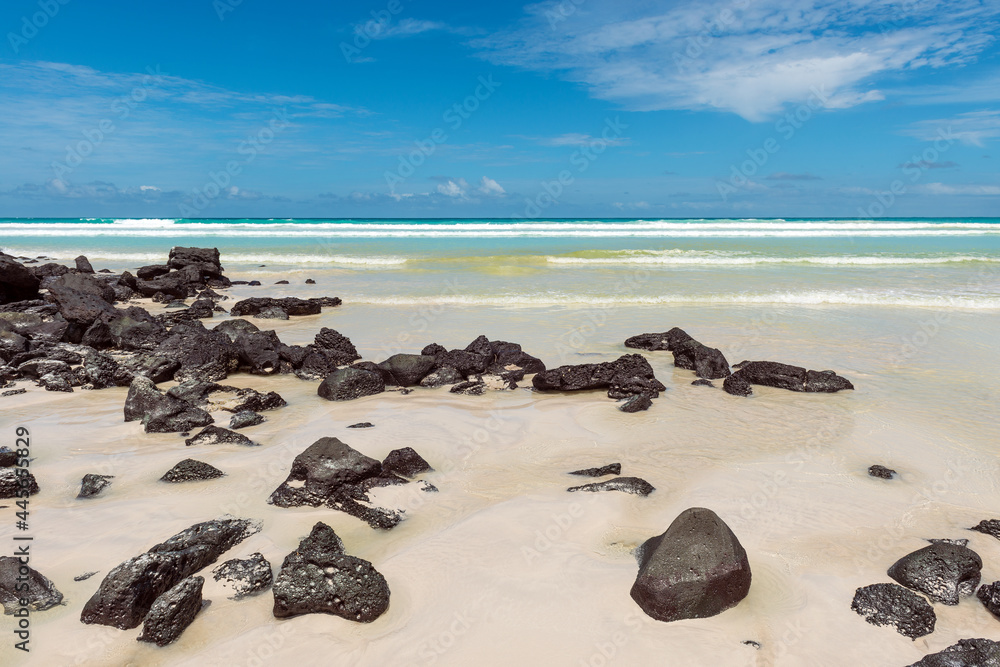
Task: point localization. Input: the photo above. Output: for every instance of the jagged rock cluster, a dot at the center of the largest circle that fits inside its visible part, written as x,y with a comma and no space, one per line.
634,485
330,472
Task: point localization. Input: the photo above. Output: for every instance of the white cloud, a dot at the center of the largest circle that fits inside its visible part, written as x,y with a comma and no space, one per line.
972,128
490,187
454,188
751,61
942,189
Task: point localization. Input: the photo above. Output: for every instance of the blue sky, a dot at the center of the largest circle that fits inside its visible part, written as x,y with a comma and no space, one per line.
576,108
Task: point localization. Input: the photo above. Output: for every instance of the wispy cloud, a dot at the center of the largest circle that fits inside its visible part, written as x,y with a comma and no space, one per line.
751,61
973,128
943,189
575,139
924,164
784,176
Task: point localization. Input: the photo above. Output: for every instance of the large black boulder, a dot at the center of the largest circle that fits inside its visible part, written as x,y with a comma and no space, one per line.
129,590
944,572
190,470
793,378
206,260
891,604
216,435
159,412
257,352
41,594
406,370
346,384
17,283
319,577
706,362
989,595
594,376
172,612
405,462
696,569
966,653
92,485
202,353
291,305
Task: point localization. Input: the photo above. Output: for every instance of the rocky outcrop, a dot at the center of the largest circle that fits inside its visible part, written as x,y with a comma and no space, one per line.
319,577
696,569
92,485
988,527
245,577
129,590
893,605
12,480
706,362
17,283
610,469
292,306
331,473
793,378
245,418
159,412
989,595
737,385
406,370
630,373
172,612
966,653
405,462
634,485
202,354
190,470
943,572
347,384
216,435
41,594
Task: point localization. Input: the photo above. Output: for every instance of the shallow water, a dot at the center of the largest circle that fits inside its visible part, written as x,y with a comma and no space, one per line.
502,565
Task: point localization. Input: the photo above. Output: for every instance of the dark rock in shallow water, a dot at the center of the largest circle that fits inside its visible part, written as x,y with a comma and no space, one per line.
636,403
346,384
633,485
696,569
101,370
55,382
406,370
469,388
442,376
405,462
190,470
245,577
989,595
793,378
8,457
92,485
988,527
737,385
891,604
320,471
594,376
41,594
83,265
129,590
245,418
272,313
291,305
216,435
202,353
943,572
881,472
610,469
966,653
334,341
319,578
233,328
12,481
666,341
332,473
702,382
172,612
689,354
13,392
362,425
251,399
159,412
84,576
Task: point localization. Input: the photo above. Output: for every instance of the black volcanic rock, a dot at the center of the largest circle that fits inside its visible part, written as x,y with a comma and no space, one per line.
610,469
595,376
406,370
881,472
92,485
130,589
793,378
83,265
41,593
737,385
216,435
966,653
334,341
696,569
893,605
988,527
634,485
291,305
346,384
319,577
636,403
245,418
11,482
405,462
989,595
17,283
202,353
190,470
172,612
245,577
159,412
943,572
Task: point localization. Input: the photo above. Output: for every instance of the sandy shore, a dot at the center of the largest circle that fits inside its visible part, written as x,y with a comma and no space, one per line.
502,566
